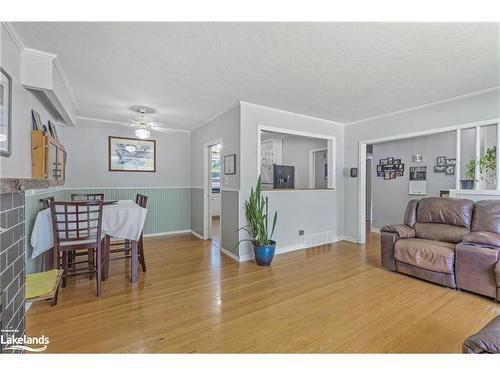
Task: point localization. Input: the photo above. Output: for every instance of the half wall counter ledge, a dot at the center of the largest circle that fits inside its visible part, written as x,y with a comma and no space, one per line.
11,185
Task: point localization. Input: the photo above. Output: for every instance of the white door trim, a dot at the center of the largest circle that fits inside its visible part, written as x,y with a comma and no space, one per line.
207,191
312,167
362,162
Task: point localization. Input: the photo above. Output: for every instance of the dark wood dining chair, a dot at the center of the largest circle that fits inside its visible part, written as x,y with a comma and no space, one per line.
87,197
46,202
77,226
125,246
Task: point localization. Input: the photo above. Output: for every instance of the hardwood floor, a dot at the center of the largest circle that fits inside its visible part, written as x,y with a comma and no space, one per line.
332,298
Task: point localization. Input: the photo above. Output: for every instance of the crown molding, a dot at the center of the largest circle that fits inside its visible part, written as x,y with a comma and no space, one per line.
210,119
122,123
14,36
35,52
293,113
430,104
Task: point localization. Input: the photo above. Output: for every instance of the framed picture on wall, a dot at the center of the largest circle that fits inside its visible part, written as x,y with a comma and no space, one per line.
230,164
131,155
5,113
441,160
450,170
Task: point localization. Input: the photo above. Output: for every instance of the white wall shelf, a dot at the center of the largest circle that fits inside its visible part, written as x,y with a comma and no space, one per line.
475,195
40,71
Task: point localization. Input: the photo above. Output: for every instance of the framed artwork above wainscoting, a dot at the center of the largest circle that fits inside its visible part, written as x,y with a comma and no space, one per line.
131,155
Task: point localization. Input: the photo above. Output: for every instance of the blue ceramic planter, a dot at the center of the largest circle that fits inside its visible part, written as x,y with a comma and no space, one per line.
264,254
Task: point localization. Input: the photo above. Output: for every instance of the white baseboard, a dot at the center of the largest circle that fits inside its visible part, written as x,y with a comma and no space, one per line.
350,239
184,231
375,230
196,234
168,233
230,254
288,249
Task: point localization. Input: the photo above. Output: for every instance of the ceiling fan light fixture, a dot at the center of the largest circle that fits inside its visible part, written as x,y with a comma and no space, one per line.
142,133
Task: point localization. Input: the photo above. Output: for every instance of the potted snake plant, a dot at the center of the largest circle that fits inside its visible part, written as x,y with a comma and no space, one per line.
256,210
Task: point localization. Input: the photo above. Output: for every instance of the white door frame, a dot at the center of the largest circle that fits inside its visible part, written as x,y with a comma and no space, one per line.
371,190
312,167
362,162
207,191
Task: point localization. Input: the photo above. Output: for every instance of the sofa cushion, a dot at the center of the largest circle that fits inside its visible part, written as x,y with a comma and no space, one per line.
487,340
486,216
427,254
441,232
483,238
449,211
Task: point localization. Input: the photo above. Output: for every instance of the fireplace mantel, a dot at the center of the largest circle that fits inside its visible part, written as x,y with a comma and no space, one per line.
11,185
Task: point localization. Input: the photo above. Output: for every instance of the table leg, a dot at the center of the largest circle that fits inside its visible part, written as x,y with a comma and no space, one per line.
134,262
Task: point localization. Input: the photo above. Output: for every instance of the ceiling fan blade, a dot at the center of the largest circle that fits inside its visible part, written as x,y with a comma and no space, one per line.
162,129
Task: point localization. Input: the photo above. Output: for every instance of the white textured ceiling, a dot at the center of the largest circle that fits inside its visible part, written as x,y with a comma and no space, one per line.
191,72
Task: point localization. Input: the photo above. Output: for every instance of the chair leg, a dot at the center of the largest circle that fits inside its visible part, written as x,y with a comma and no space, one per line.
91,263
53,302
99,260
65,268
141,254
106,256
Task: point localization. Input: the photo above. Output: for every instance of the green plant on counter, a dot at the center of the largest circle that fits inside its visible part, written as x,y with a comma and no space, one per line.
470,170
487,166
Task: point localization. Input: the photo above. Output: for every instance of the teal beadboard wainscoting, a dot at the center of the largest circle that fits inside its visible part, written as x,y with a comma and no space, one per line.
169,210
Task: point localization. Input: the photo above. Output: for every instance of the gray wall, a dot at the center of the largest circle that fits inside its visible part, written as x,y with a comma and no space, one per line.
229,220
23,101
475,108
227,127
391,196
87,163
296,152
321,211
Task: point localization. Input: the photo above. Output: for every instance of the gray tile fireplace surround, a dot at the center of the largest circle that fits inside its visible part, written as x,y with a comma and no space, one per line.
12,265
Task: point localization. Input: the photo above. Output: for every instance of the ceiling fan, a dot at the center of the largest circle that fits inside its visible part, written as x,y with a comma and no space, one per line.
143,125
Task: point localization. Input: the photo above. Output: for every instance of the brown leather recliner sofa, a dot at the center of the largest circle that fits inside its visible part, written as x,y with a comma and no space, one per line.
452,242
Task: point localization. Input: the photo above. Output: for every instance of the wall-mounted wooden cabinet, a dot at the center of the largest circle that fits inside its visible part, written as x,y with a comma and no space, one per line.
48,157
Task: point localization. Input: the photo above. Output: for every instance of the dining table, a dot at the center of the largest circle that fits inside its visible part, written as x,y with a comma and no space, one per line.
122,219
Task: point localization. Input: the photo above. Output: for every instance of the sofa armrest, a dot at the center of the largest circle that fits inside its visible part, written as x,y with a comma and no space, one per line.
487,340
387,241
403,231
483,238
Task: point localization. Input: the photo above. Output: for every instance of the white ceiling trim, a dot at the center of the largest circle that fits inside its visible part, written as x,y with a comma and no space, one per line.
14,36
22,48
122,123
442,101
294,113
210,119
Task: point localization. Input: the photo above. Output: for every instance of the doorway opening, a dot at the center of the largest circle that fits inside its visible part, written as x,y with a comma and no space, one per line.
212,193
215,193
369,205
